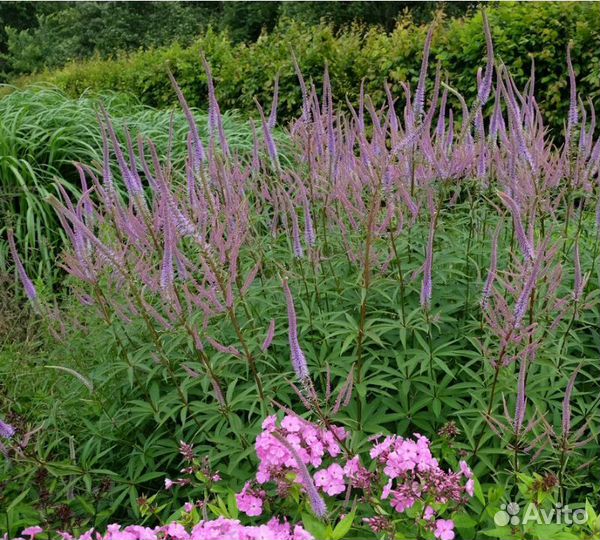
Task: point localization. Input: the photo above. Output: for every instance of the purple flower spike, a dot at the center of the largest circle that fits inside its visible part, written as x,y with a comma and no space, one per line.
579,280
489,282
566,417
316,501
485,87
426,288
419,103
572,116
524,242
521,398
270,335
298,358
273,115
27,283
199,154
309,230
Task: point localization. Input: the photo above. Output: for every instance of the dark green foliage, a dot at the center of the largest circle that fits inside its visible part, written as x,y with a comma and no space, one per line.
522,32
39,35
78,30
383,14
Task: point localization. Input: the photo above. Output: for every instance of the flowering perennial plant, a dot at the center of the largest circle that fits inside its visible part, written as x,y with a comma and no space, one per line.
403,471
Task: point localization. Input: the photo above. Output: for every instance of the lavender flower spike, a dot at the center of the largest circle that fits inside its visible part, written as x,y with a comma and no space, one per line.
572,117
6,430
27,283
298,358
309,230
523,300
270,142
521,398
426,287
489,282
484,89
199,154
566,417
579,284
419,103
270,335
524,242
316,501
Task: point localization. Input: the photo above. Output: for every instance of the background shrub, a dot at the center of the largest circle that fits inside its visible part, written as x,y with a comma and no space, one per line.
38,35
522,33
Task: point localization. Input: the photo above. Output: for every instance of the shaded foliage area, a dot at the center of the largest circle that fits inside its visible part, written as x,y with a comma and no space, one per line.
524,33
38,35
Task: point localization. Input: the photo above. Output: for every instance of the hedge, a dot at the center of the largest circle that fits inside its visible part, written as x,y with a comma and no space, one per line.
523,32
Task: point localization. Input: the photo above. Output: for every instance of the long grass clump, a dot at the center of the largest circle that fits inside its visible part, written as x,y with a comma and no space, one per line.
43,133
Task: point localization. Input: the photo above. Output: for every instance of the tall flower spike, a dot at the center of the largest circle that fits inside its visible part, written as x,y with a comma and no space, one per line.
269,141
485,87
131,180
305,101
572,116
489,282
309,230
316,501
524,241
523,300
297,356
214,113
273,115
270,335
27,283
566,415
166,271
199,154
419,102
579,281
426,287
521,397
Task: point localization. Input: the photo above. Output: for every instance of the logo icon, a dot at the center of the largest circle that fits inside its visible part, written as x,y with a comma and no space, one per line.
507,514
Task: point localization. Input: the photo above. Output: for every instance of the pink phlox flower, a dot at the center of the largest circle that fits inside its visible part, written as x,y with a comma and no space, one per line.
331,479
465,469
32,532
470,487
269,423
444,529
250,501
291,423
429,513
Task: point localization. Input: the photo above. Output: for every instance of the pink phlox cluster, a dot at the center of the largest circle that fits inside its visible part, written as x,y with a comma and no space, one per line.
232,529
358,476
331,479
216,529
311,443
415,475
